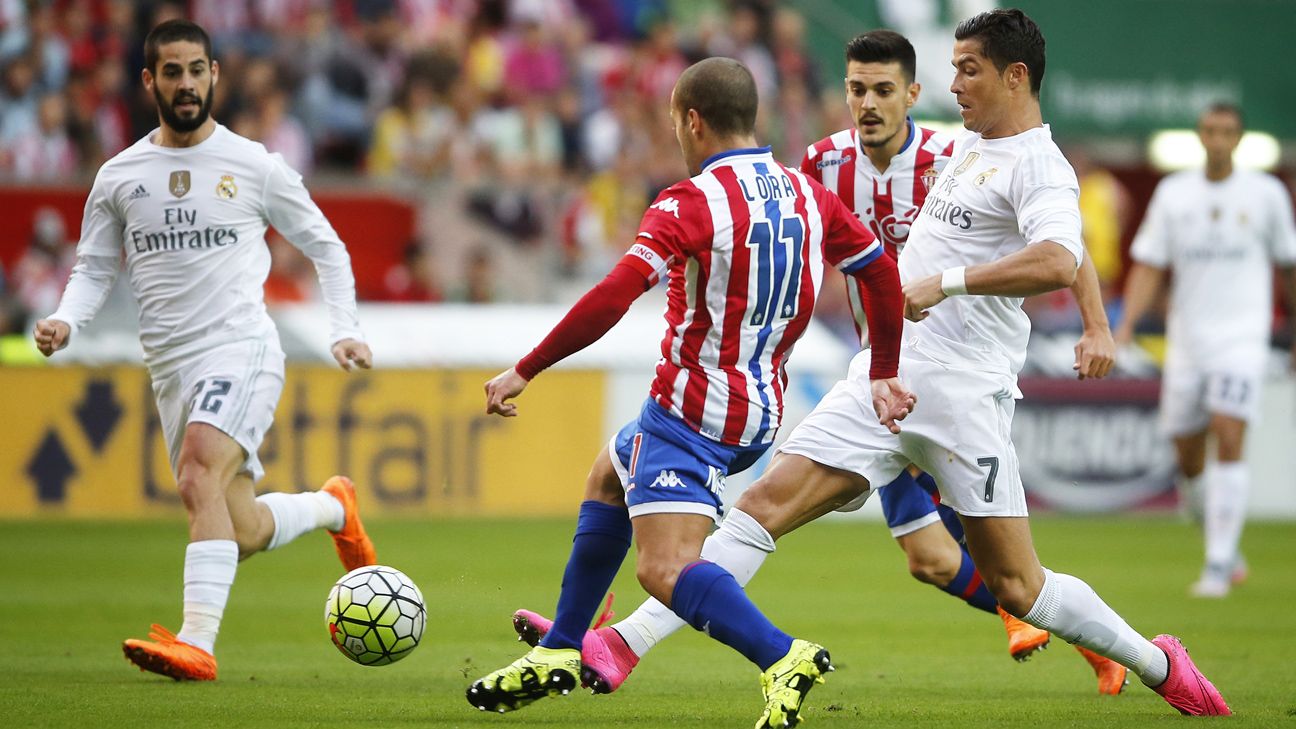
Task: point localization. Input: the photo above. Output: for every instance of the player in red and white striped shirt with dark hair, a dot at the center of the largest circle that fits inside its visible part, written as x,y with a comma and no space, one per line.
742,245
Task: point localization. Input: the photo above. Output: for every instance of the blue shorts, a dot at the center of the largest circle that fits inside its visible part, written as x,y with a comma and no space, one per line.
907,505
668,468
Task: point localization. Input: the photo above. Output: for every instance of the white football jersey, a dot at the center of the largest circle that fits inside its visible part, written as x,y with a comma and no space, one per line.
995,197
191,223
1221,239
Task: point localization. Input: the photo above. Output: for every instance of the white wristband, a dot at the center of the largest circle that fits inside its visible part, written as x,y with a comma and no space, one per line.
954,282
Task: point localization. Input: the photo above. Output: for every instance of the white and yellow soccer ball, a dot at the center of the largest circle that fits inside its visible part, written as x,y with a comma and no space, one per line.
375,615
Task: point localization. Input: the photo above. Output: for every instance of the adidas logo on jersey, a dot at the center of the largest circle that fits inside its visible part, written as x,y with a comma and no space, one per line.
137,193
667,480
669,205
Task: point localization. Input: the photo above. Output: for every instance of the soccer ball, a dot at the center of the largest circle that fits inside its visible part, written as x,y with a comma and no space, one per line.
375,615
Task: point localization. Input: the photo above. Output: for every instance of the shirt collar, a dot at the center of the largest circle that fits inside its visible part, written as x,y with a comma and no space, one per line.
728,154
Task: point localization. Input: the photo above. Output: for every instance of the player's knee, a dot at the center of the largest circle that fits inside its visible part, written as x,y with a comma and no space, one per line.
657,578
1013,593
930,569
198,486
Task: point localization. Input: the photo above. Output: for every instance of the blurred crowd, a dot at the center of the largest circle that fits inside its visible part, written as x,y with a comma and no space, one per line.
531,133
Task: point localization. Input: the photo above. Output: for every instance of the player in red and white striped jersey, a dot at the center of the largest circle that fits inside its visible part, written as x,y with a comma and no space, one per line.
742,245
880,169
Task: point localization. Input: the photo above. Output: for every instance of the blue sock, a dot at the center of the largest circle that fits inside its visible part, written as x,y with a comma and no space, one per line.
598,549
967,586
707,597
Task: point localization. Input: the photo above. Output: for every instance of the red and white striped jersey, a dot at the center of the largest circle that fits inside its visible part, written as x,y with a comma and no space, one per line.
743,247
888,202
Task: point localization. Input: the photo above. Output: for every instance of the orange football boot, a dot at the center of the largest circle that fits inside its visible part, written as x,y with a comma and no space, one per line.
168,656
1112,676
353,545
1023,638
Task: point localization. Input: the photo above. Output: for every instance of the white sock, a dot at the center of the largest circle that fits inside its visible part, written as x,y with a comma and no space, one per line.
1227,485
1071,610
740,545
296,514
208,573
1191,498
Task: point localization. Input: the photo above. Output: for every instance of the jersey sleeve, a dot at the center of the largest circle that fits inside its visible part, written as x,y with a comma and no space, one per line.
808,166
98,258
1282,231
290,209
848,244
1048,203
676,225
1151,243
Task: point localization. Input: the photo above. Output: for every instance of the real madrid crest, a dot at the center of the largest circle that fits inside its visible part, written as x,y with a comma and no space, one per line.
179,183
226,189
967,162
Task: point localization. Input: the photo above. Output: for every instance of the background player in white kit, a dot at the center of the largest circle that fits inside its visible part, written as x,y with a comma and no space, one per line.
880,169
188,205
1220,229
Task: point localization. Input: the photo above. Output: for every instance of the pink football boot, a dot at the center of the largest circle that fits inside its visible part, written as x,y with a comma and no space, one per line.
1185,688
606,660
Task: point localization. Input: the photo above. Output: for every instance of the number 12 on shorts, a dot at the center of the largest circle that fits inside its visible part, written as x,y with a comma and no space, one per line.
213,394
992,463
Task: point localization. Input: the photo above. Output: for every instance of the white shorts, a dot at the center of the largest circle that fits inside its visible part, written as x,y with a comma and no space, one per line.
1191,395
234,388
960,433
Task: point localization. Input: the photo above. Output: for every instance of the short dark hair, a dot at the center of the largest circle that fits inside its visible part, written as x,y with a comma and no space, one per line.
1226,107
1007,37
171,31
723,93
883,46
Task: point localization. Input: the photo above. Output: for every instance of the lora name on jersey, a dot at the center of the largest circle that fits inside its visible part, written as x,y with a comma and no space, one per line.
769,187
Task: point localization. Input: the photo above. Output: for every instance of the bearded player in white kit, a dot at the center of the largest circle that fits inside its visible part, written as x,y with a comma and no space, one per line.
188,205
1222,230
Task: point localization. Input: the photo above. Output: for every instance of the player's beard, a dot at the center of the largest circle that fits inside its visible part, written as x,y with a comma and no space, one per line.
177,122
878,142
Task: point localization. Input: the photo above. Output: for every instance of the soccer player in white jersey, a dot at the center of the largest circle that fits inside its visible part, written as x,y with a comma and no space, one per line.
742,244
1002,222
880,169
1221,230
188,206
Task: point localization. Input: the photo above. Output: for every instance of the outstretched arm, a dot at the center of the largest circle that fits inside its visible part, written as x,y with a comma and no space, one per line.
1096,351
92,278
883,306
592,317
290,209
1036,269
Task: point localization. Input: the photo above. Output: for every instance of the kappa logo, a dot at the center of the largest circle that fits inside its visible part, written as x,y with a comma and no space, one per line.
669,205
667,480
846,157
138,193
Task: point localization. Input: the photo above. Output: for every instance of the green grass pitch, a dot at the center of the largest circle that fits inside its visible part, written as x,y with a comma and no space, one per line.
906,653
